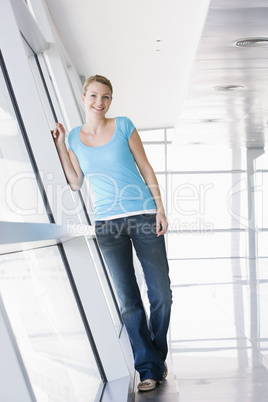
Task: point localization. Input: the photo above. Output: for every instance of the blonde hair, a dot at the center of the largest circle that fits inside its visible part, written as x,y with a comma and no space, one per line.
97,78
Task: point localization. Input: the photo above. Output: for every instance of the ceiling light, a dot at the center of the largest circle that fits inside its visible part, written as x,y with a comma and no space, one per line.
210,120
227,88
252,42
158,45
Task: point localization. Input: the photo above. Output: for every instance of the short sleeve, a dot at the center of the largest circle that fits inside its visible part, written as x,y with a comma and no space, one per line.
72,138
129,127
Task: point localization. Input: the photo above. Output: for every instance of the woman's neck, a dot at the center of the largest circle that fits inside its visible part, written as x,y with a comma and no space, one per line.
95,125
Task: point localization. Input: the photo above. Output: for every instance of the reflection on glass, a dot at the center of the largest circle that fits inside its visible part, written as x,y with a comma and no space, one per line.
20,199
48,327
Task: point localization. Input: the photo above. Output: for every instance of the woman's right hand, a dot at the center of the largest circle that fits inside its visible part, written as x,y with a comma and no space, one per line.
68,159
59,134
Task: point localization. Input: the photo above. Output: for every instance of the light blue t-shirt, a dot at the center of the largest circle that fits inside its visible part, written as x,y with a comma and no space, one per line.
117,185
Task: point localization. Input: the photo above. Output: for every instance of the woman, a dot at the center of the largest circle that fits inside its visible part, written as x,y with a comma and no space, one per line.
128,210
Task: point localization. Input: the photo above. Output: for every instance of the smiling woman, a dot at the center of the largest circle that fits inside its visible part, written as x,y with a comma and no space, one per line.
97,98
128,210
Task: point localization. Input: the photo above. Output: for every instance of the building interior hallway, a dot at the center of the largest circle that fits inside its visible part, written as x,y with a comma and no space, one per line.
193,76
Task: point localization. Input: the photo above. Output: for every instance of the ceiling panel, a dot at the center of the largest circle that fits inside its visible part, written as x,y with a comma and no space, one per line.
239,3
228,118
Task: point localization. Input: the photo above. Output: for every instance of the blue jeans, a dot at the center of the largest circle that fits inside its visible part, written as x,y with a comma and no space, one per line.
148,340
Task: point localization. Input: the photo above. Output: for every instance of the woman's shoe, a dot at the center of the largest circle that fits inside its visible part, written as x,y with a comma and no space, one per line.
165,372
147,385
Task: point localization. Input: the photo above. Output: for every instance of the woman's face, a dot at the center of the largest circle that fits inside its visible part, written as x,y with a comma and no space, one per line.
97,99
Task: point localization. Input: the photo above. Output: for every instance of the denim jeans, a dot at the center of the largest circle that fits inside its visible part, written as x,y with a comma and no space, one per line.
148,340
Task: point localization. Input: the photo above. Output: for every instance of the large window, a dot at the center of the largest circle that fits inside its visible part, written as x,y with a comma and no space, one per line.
207,191
20,197
36,286
48,327
204,191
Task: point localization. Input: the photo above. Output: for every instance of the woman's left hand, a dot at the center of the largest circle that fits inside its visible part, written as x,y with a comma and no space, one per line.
161,224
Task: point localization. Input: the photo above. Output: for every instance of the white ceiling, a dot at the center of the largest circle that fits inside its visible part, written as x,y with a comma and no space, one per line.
161,77
120,39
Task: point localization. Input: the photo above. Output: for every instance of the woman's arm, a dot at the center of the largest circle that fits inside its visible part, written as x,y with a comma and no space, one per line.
68,159
150,179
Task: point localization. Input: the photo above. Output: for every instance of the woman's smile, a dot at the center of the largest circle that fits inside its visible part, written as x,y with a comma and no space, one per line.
98,98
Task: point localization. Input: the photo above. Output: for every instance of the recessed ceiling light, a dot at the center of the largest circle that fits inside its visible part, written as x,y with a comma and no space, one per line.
252,42
210,120
228,88
158,45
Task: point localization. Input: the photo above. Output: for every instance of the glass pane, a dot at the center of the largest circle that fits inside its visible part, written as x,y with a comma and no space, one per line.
206,245
107,286
170,134
161,178
195,158
20,198
42,93
44,87
220,288
263,303
156,156
262,161
262,244
207,201
261,192
152,135
48,327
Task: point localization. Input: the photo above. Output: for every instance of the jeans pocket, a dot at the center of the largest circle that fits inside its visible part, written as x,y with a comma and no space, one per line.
99,224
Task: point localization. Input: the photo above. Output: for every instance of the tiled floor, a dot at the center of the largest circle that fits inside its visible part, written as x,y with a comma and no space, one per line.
218,332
